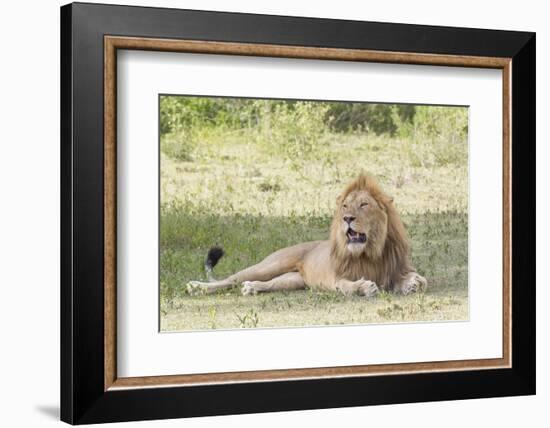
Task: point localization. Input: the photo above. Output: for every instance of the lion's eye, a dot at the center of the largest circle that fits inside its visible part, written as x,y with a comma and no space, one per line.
344,206
364,204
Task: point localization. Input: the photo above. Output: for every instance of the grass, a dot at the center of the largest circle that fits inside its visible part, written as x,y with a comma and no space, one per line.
250,199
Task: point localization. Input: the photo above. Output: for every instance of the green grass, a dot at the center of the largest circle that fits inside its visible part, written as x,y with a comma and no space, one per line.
228,190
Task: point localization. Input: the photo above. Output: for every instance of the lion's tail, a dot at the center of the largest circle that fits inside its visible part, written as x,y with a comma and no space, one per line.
213,257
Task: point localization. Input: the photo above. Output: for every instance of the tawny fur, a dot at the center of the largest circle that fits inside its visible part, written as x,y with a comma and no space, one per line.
386,260
380,261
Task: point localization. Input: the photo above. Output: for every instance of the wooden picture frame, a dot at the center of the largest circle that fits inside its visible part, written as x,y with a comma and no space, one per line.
91,391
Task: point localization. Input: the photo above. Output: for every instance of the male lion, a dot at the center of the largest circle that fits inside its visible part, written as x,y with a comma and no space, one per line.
367,251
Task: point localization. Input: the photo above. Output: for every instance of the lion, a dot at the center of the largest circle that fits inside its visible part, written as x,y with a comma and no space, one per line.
368,251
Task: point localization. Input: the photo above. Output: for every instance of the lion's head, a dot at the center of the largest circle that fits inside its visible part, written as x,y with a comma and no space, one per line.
367,235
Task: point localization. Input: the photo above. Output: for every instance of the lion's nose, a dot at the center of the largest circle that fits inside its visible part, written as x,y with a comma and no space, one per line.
348,219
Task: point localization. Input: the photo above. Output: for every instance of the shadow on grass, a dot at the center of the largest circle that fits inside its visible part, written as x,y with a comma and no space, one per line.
439,244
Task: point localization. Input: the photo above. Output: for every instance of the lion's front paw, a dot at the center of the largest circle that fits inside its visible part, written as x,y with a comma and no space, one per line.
196,288
367,288
248,288
414,283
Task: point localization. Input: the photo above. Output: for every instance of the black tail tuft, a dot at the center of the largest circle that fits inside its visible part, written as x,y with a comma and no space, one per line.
213,257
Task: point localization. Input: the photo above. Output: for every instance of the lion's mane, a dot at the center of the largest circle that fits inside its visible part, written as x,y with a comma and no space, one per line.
386,259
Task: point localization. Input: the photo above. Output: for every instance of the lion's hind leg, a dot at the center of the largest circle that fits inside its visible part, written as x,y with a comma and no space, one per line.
273,266
202,287
262,272
287,281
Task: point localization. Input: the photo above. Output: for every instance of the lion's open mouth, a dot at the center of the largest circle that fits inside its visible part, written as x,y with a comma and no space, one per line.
355,237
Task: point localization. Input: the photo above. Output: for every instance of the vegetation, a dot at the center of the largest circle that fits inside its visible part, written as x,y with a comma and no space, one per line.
257,175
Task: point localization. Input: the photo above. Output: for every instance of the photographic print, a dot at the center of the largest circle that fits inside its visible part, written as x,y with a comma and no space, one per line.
297,213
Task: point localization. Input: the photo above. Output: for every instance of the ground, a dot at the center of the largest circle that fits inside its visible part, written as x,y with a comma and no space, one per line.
253,200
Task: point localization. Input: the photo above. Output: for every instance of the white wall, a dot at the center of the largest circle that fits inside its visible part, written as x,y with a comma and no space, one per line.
29,230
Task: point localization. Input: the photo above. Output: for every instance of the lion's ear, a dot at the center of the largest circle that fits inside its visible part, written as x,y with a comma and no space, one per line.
339,199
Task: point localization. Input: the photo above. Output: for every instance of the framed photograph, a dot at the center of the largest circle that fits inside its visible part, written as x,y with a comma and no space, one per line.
265,213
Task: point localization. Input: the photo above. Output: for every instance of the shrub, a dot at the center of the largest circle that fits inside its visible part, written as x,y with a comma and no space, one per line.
436,136
376,118
294,129
178,146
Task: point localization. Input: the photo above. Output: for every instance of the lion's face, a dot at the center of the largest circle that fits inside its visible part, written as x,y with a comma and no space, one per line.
361,224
